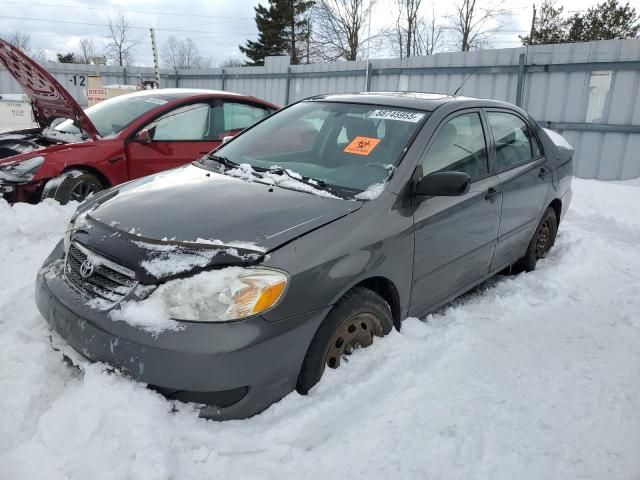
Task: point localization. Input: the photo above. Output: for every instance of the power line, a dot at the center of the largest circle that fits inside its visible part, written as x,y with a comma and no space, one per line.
71,22
146,12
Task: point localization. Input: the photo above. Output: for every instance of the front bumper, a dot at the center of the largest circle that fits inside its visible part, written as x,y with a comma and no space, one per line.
241,367
21,192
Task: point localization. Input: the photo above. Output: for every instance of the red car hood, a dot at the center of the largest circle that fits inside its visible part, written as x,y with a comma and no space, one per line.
49,99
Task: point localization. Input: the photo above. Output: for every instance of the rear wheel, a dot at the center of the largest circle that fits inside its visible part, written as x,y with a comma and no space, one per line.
355,321
542,241
73,186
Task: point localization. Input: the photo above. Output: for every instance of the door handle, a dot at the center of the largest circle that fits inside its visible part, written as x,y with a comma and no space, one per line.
542,172
491,194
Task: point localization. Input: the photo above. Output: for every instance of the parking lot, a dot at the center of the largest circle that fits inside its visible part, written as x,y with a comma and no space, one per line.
531,376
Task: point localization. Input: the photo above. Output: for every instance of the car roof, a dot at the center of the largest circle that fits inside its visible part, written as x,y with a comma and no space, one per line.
176,93
417,100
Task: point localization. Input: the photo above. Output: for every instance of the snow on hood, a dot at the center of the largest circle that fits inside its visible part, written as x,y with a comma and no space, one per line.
49,99
169,260
217,210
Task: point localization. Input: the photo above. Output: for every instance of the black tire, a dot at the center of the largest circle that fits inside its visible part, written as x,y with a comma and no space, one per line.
542,241
74,187
353,322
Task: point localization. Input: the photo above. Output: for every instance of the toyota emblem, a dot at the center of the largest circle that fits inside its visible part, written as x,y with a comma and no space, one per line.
86,269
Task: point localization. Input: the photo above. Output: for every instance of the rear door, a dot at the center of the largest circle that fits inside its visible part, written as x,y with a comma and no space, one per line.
455,237
525,181
177,137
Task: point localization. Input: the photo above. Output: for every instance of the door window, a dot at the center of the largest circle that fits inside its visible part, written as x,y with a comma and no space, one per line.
459,146
188,123
514,142
238,116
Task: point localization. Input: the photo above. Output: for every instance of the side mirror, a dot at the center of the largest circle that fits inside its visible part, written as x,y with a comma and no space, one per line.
444,184
226,138
146,135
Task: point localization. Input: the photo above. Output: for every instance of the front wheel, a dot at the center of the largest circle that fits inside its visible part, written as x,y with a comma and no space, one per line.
542,241
359,317
72,187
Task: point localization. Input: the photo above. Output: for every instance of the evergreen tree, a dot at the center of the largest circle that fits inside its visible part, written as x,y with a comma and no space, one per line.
67,58
548,27
296,14
271,35
282,30
606,21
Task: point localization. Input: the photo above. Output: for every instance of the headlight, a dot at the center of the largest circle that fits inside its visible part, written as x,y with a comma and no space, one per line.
221,295
22,171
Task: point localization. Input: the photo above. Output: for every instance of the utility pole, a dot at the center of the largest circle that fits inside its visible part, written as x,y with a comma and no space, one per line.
533,23
155,56
308,39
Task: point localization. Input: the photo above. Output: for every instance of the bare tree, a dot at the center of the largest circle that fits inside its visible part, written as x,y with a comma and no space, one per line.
183,54
23,42
122,42
232,62
475,25
339,28
87,50
412,34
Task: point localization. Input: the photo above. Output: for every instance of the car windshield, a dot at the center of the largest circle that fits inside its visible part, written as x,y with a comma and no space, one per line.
113,115
343,145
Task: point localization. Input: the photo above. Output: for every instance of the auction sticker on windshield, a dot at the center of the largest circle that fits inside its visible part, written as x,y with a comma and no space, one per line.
362,145
413,117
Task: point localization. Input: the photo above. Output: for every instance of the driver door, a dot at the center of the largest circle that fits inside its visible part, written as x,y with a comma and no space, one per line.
177,137
455,237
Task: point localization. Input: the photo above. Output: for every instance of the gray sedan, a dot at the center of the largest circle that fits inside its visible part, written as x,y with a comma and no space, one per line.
243,276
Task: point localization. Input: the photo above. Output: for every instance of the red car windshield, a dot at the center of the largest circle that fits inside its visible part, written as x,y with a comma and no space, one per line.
111,116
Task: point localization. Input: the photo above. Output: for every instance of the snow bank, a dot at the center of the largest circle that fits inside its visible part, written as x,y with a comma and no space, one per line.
529,377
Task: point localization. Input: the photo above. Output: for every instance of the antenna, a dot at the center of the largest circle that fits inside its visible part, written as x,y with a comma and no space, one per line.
463,82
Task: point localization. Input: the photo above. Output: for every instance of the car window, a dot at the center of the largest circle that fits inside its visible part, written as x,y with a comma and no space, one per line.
238,116
187,123
111,116
459,146
513,140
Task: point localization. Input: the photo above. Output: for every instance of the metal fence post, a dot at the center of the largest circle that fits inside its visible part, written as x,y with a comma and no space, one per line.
125,77
177,78
520,86
367,77
222,78
288,86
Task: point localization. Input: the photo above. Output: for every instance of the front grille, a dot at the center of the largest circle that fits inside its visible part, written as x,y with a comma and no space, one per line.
108,284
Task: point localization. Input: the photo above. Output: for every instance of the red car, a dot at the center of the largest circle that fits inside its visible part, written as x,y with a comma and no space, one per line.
114,141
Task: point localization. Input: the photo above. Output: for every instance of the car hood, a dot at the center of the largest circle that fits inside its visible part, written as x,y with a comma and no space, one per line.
196,208
49,99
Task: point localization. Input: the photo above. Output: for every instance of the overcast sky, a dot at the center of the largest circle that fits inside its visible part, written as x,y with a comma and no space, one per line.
218,26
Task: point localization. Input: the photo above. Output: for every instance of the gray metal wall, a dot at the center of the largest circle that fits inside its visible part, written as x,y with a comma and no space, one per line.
587,91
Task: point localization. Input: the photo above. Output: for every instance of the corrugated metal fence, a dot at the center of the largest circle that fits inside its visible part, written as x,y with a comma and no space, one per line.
586,91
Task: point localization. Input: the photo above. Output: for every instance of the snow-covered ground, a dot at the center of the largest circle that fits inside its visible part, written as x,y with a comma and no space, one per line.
529,377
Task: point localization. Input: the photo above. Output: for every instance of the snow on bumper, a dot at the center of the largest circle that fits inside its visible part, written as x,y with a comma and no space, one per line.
252,356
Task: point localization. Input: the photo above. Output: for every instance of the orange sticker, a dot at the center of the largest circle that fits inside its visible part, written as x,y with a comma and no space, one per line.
362,145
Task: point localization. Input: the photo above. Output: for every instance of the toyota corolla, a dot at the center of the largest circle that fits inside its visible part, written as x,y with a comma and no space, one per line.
240,278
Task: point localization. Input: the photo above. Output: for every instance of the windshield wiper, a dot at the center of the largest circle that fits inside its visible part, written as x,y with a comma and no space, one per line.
221,160
312,182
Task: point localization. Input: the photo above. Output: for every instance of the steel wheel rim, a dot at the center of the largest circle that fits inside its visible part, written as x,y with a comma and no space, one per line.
543,242
82,190
357,332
